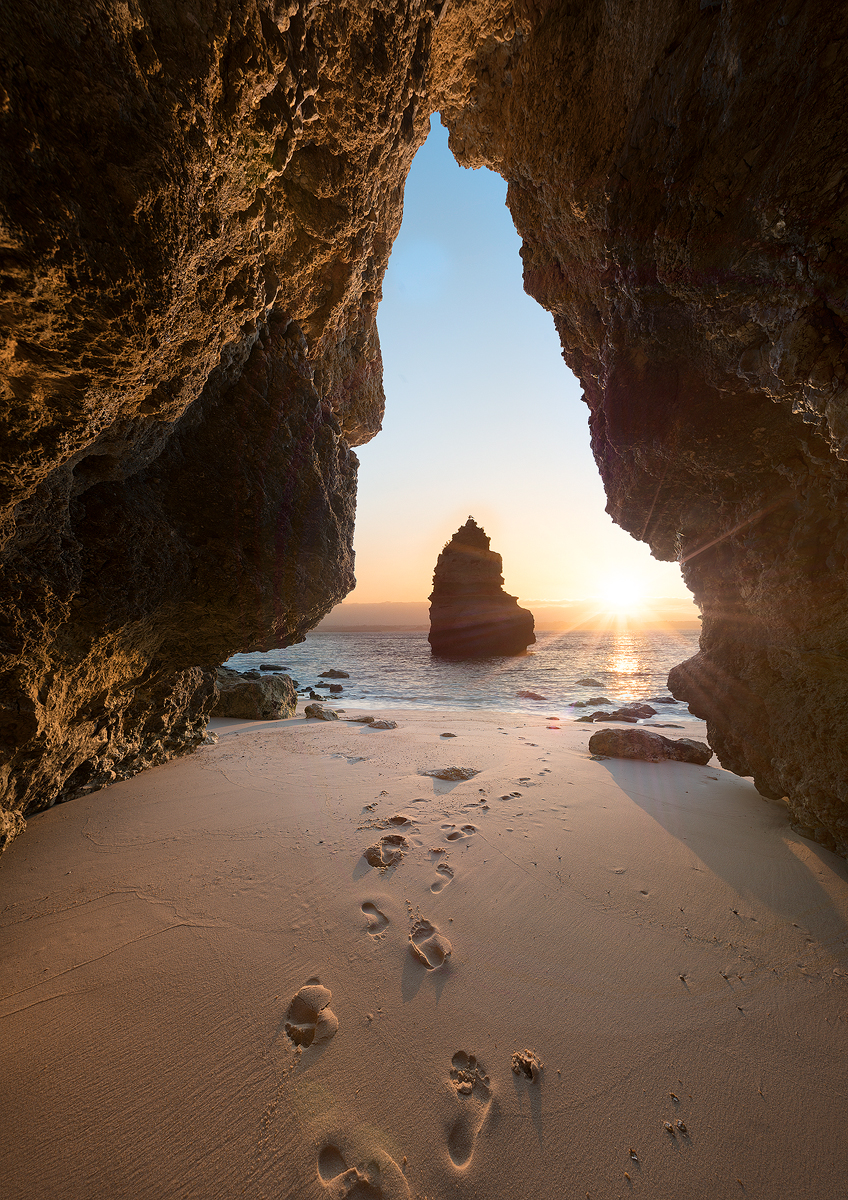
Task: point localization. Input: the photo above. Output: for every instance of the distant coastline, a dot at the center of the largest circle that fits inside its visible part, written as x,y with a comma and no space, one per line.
665,613
681,626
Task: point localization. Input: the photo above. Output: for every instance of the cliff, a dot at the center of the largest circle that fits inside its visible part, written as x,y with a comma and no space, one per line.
471,616
197,203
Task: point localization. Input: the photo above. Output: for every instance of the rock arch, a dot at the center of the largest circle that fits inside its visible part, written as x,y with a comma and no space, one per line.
197,203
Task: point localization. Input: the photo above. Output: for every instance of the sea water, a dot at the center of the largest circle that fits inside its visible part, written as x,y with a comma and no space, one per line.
397,670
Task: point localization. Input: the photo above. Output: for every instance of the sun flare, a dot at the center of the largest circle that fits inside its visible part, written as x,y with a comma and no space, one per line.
623,594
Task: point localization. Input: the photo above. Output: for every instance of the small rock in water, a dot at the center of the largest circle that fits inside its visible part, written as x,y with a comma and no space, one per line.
620,714
321,714
452,773
333,673
648,746
590,683
270,667
335,688
530,696
632,713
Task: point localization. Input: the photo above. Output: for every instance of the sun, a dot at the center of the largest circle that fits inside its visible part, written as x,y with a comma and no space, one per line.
622,594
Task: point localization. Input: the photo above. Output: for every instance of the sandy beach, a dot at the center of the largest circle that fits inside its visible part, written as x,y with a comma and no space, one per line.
655,935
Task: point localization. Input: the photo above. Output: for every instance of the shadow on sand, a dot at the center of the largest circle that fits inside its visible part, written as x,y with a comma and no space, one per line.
742,838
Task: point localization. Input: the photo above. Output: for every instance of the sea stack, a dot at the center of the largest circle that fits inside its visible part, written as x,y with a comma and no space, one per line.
471,616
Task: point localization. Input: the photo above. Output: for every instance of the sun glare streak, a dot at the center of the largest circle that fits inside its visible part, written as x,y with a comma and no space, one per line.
623,594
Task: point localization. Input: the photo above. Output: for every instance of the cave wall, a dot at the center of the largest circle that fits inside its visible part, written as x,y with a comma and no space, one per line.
678,175
197,203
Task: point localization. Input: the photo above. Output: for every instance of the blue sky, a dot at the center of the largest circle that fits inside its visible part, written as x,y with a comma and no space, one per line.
482,417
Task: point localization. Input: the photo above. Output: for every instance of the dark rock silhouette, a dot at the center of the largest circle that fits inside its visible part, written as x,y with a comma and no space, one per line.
471,616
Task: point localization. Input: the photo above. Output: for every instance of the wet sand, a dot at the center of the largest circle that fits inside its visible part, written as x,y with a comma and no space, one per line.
655,935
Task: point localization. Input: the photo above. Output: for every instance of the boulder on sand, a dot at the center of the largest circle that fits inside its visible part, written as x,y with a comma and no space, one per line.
319,713
648,746
254,697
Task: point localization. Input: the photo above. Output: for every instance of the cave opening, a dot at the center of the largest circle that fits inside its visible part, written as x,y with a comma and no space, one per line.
483,416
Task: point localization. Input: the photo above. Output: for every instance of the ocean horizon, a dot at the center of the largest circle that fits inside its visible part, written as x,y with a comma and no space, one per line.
395,669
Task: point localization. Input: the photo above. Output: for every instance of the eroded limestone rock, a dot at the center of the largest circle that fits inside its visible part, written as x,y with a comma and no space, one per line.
471,616
197,203
679,179
268,698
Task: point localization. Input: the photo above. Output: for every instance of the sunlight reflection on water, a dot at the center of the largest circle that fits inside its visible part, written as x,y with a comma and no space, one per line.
397,669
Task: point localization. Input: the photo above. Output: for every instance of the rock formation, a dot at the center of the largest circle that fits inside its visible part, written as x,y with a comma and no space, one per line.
254,697
197,202
471,616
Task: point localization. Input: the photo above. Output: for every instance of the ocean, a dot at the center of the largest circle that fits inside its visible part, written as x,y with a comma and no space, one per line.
396,670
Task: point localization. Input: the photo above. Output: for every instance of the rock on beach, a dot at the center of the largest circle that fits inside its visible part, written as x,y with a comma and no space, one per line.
648,746
254,697
320,713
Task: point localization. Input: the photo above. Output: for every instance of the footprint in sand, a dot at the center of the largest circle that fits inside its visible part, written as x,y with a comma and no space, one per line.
378,1179
528,1065
474,1092
428,945
444,874
309,1018
377,921
457,835
388,852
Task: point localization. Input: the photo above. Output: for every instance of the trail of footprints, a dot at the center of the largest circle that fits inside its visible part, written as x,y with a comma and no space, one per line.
309,1020
388,852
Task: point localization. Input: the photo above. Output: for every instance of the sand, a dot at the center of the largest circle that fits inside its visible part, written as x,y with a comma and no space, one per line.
665,958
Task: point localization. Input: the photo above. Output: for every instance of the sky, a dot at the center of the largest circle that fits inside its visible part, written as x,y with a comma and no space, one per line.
483,418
